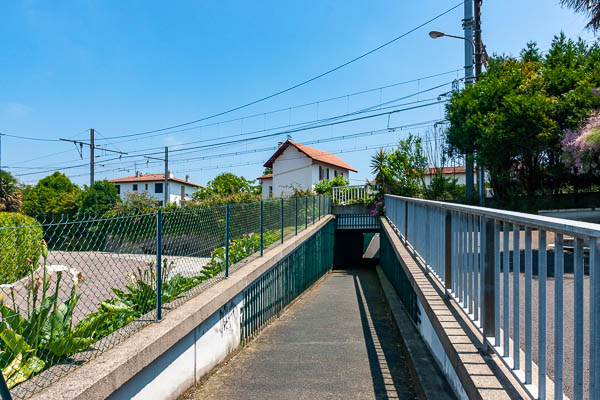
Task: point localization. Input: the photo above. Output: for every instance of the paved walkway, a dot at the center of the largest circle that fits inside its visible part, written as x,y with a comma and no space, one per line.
337,342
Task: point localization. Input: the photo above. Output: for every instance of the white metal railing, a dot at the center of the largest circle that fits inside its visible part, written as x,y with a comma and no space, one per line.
351,194
471,250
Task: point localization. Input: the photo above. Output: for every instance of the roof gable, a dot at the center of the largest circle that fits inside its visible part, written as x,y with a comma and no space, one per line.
150,178
312,153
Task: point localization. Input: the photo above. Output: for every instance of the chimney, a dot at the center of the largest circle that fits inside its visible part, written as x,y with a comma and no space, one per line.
170,174
137,173
187,178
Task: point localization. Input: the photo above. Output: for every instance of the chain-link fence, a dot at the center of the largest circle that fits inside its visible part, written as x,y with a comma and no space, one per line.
72,288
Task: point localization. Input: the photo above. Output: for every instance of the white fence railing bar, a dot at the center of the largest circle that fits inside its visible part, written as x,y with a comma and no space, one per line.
475,253
352,194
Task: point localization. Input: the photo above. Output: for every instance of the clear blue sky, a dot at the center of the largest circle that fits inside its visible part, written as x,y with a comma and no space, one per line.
127,67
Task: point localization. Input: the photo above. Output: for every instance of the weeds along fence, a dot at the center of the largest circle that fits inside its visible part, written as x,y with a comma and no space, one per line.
72,288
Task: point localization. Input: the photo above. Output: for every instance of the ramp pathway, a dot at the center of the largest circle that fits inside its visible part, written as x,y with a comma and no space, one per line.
337,342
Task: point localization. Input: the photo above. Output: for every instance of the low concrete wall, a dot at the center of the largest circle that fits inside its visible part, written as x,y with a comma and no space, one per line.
164,359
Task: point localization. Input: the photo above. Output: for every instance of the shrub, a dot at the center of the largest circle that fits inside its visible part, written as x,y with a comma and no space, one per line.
20,238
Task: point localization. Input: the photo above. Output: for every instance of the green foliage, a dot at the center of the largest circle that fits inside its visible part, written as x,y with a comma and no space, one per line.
514,117
325,186
226,184
99,198
43,334
444,188
134,203
20,238
10,194
53,195
402,170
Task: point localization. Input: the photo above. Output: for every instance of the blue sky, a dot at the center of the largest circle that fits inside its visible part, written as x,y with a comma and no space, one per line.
128,67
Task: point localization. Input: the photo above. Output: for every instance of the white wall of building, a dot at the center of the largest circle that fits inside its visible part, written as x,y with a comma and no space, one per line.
291,169
149,188
267,187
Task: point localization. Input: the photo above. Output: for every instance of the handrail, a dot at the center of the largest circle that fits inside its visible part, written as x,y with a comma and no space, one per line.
560,225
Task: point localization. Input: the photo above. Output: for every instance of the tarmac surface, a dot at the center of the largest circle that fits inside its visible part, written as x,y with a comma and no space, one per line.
337,341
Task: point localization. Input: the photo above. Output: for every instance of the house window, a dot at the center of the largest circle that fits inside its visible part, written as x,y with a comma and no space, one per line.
327,173
320,173
335,173
270,191
118,189
158,188
146,187
135,187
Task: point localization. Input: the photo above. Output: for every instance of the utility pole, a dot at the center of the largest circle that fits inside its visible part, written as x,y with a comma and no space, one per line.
478,56
92,147
166,181
166,175
91,157
468,32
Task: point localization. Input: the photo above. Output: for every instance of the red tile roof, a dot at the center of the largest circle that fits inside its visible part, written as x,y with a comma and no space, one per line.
267,176
459,169
317,155
150,178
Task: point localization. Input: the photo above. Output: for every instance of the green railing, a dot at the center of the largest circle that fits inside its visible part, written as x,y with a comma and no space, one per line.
276,288
394,272
356,221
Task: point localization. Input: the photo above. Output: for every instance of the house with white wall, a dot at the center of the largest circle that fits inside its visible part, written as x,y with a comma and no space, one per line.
299,166
456,172
153,186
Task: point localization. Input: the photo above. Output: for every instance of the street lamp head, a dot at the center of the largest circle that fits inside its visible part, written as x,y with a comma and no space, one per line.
436,34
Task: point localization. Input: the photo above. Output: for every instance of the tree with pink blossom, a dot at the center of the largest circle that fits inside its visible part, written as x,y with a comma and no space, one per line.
581,147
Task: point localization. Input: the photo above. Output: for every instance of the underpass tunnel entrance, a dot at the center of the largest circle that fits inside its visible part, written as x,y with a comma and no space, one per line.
356,247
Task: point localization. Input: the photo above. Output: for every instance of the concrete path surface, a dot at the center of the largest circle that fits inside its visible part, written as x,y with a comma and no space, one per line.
337,342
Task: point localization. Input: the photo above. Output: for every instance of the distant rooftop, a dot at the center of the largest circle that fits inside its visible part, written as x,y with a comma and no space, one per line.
315,154
151,178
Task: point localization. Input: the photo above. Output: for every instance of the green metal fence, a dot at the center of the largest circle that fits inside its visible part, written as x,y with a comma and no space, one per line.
276,288
94,281
394,272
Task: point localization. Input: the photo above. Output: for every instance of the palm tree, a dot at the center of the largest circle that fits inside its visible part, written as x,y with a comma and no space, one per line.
10,195
588,7
379,166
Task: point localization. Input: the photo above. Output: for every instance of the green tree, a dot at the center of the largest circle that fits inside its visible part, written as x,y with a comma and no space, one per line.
99,198
53,195
10,194
226,184
402,170
514,117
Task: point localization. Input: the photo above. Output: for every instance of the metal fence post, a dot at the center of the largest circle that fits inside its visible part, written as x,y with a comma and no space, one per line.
262,217
406,221
4,391
305,212
448,253
296,216
489,296
313,210
282,220
159,265
320,198
227,240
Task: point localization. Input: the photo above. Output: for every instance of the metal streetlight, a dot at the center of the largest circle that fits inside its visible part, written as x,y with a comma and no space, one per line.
438,34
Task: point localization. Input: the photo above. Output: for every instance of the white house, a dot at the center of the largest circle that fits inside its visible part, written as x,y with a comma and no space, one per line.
153,185
458,172
298,166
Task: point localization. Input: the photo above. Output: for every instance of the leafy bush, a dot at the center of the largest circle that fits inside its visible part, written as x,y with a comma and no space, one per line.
20,238
325,186
43,334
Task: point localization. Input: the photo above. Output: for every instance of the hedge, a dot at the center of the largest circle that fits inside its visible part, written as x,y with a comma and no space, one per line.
20,239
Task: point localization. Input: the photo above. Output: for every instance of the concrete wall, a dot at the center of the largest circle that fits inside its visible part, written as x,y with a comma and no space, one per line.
169,376
148,187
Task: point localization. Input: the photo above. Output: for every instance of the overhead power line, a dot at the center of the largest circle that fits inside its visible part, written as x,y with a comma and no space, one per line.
314,78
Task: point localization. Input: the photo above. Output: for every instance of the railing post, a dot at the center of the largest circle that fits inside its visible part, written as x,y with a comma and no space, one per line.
159,265
405,221
296,217
4,391
313,210
448,253
320,198
262,218
227,240
306,213
488,309
282,220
